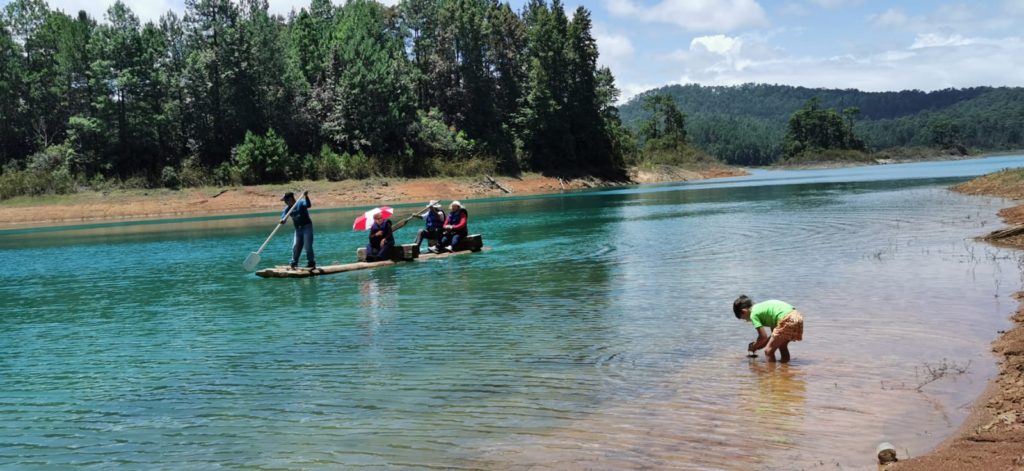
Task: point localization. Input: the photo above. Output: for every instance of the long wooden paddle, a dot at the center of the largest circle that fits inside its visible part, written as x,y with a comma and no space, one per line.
254,257
403,222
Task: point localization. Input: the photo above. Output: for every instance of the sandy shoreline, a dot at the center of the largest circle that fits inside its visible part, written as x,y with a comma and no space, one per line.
992,436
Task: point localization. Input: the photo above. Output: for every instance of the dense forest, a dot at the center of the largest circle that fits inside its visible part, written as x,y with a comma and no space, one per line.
227,93
748,124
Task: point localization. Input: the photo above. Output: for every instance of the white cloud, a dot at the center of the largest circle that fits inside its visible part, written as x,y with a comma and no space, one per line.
931,62
938,40
719,44
724,54
694,15
616,50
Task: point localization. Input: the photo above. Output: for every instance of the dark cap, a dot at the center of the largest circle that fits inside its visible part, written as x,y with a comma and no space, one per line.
288,195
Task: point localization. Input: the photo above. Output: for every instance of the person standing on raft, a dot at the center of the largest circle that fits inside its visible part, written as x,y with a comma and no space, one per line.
777,323
303,227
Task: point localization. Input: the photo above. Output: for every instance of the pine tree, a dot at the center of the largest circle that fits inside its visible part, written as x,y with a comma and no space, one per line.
311,39
212,69
117,77
39,31
547,135
593,145
813,128
13,135
506,49
171,76
369,105
666,128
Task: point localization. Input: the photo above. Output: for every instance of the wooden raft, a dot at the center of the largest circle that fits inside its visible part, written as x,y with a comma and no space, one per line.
406,252
400,254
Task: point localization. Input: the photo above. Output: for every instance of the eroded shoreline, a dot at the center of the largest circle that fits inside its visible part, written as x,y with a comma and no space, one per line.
992,437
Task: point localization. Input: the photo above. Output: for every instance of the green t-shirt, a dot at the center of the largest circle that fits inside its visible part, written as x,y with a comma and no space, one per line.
768,313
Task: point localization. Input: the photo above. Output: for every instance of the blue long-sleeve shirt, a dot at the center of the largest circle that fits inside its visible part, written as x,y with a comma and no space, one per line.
300,212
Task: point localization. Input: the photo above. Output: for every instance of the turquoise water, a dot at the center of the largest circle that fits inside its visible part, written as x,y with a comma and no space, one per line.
596,333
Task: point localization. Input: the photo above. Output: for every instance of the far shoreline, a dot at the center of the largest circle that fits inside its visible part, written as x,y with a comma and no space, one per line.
140,205
93,207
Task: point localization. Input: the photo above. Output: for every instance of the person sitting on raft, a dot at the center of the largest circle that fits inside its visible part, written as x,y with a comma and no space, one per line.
433,219
382,239
455,228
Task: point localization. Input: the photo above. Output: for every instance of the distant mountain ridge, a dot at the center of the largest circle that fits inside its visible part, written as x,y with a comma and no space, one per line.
745,124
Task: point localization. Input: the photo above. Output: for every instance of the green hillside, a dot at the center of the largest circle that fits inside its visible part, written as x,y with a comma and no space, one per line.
745,125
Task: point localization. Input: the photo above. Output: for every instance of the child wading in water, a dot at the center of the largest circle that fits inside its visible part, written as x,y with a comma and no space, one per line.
777,324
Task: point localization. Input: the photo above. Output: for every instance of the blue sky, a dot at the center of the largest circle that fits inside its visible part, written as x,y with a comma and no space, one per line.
864,44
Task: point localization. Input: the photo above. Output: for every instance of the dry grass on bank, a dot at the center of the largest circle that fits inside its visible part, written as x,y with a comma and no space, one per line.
1008,183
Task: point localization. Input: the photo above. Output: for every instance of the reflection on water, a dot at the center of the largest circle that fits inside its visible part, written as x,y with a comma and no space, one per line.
597,333
779,402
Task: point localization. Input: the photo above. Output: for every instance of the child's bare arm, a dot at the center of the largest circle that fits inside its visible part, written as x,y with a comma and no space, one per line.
763,334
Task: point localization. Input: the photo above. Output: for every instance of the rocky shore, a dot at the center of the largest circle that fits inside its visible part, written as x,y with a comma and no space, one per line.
992,437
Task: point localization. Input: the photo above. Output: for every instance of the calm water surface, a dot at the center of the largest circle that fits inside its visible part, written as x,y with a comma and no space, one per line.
596,333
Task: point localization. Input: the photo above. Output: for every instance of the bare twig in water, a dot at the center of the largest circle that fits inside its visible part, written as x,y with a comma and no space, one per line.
969,247
934,373
927,374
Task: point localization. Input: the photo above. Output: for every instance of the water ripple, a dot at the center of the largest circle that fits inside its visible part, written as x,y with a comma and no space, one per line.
597,333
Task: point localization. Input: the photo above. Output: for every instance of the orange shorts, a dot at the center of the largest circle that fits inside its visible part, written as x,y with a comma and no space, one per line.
790,329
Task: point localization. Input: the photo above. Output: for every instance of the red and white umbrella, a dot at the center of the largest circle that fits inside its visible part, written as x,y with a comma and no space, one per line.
365,221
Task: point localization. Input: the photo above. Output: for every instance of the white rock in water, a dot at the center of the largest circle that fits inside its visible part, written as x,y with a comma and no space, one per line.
886,453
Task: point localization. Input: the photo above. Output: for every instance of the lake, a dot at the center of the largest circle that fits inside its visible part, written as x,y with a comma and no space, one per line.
597,332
